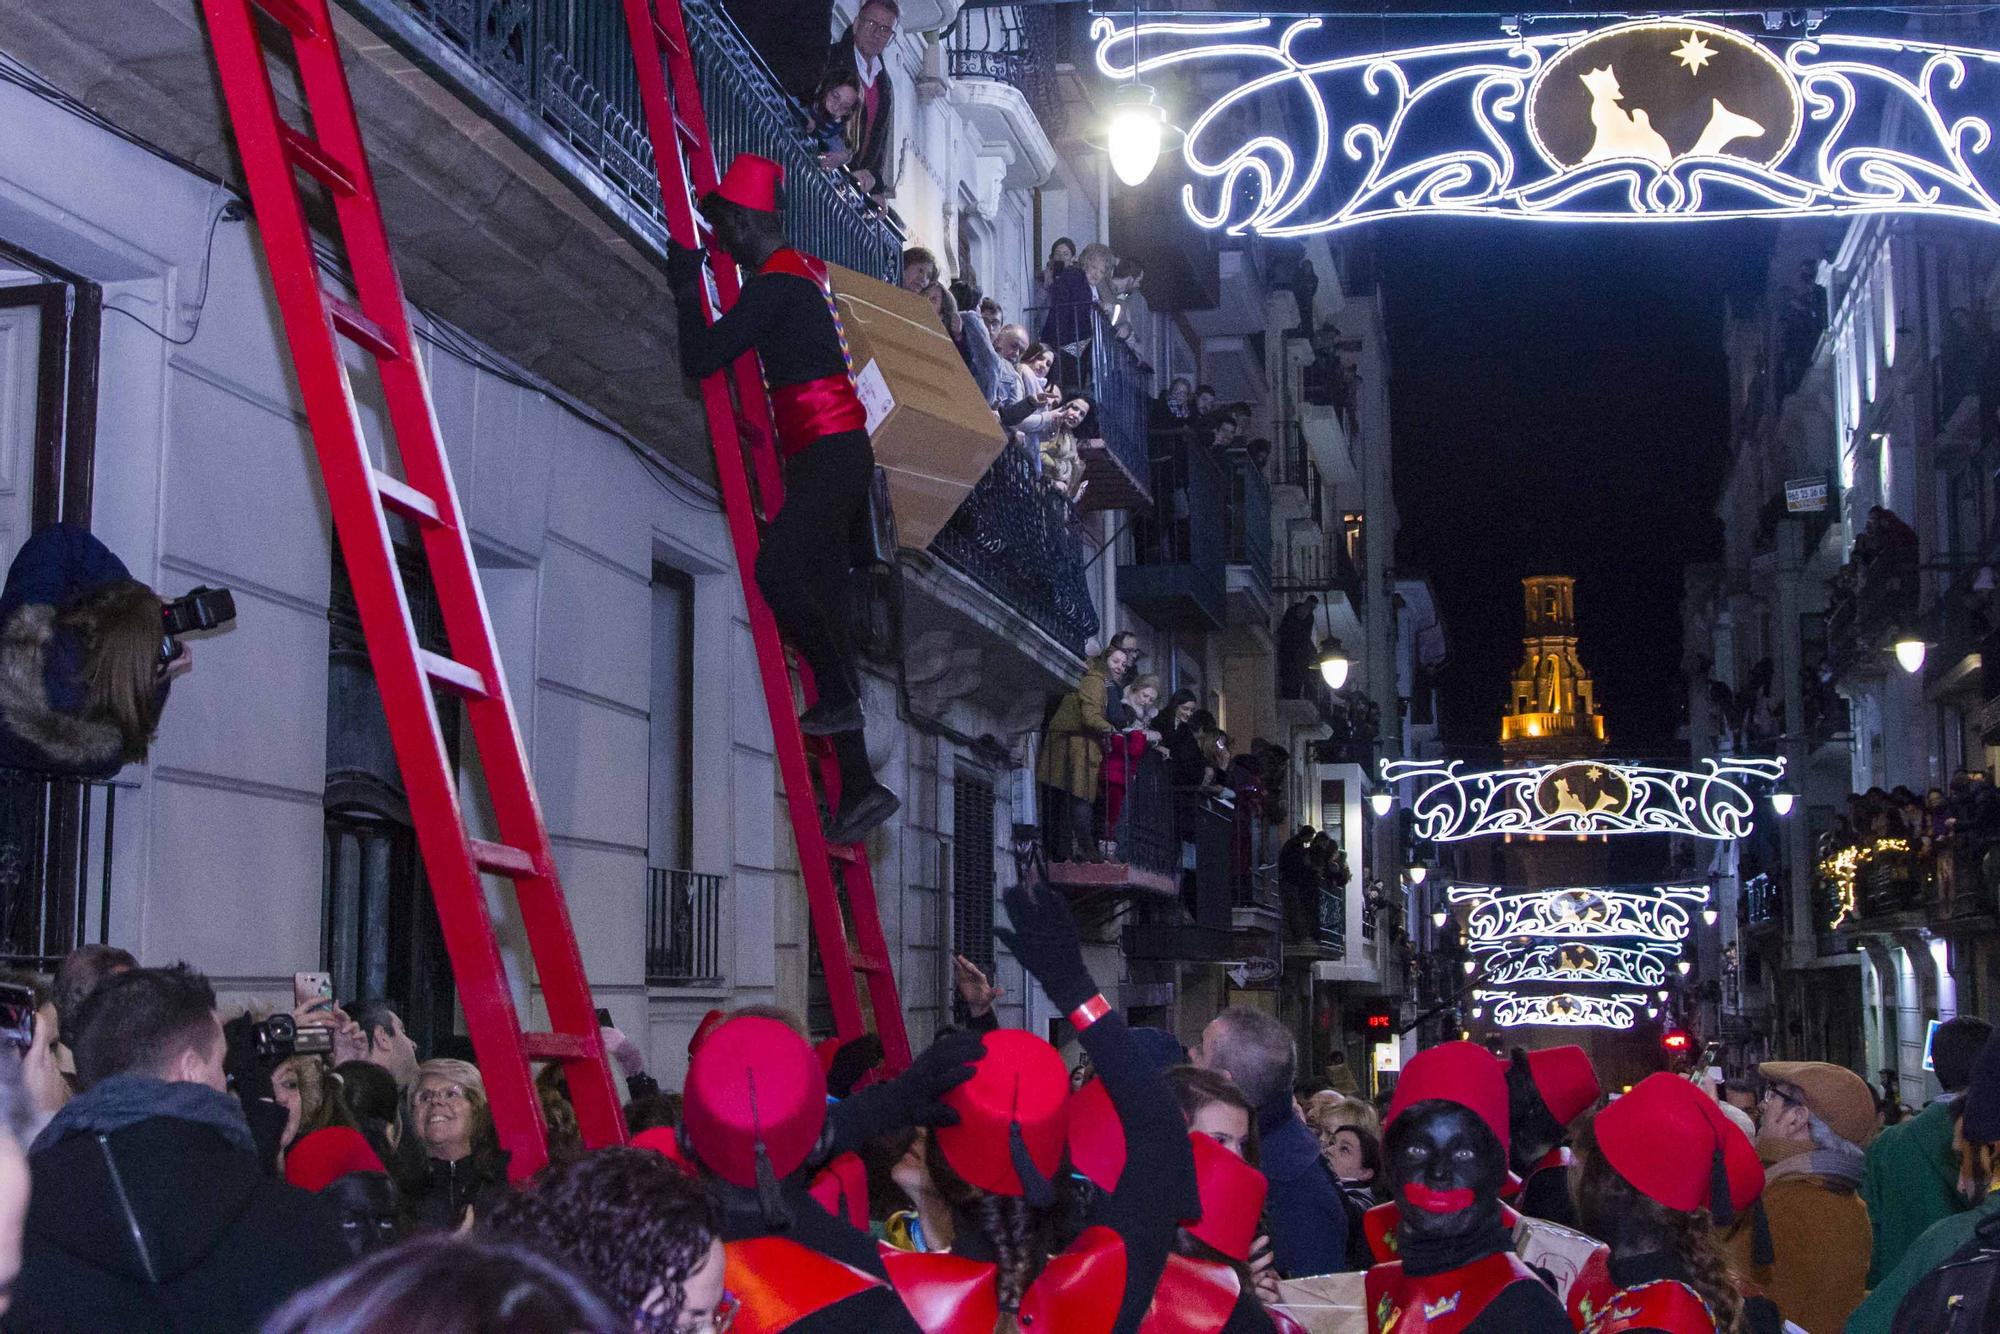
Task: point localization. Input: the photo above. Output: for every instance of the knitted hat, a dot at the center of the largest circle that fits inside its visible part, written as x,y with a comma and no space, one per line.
1675,1145
1460,1072
1982,1096
1096,1136
1833,1093
316,1161
1013,1118
754,1091
1232,1198
752,182
1566,1080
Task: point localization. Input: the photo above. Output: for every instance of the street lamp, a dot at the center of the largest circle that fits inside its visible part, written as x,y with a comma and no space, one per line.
1709,916
1136,133
1652,1012
1683,967
1661,994
1439,918
1782,803
1417,874
1910,652
1468,965
1333,663
1477,1011
1381,800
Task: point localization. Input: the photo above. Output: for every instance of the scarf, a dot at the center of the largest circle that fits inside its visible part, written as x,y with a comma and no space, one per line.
1844,1163
111,1105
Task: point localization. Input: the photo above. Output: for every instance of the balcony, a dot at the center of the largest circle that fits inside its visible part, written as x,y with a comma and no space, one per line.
683,929
1019,539
1881,600
1107,372
558,77
1007,93
1763,903
1248,535
1147,860
1176,577
55,850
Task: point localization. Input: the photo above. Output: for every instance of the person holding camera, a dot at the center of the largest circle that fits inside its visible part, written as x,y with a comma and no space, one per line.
87,653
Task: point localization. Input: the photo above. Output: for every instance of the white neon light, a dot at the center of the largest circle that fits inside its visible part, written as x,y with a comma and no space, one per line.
1386,106
1500,917
1583,797
1576,963
1564,1009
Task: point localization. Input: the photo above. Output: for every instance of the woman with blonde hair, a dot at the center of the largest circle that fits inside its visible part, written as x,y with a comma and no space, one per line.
1327,1111
311,1097
462,1160
1072,758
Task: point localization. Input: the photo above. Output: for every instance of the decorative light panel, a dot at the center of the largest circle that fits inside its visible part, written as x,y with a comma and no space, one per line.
1576,962
1583,797
1564,1009
1499,917
1654,120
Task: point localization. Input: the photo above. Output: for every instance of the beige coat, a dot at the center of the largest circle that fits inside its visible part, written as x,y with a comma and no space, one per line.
1073,752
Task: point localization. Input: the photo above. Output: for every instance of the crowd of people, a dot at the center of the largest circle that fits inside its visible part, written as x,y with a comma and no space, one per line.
1941,839
162,1168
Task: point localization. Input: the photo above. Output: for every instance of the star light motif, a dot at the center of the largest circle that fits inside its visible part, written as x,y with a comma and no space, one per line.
1694,53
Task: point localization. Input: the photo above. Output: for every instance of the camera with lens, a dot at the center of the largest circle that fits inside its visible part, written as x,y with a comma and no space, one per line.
280,1036
198,609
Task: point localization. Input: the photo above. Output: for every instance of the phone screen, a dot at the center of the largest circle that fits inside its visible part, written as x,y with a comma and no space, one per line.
309,987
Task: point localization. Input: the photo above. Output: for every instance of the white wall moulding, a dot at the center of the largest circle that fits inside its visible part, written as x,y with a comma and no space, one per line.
1653,120
1564,1009
1502,918
1583,797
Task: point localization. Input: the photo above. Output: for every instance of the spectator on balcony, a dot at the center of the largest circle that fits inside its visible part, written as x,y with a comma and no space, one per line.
793,39
148,1207
1061,255
1912,1176
1062,460
969,336
82,681
1136,734
1072,759
871,131
1298,890
1184,737
993,317
1073,311
920,269
1172,410
1296,650
833,103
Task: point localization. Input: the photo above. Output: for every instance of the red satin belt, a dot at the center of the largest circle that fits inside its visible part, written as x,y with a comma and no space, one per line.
814,410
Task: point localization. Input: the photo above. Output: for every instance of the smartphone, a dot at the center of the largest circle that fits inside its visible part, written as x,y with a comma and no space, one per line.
310,987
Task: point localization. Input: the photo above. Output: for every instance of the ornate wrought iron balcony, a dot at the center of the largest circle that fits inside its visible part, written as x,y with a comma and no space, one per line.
996,44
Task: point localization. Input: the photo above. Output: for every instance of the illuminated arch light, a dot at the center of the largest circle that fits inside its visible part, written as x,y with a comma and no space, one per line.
1577,962
1583,797
1832,161
1502,918
1564,1009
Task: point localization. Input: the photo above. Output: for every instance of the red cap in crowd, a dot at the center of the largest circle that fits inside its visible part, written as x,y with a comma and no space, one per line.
1671,1141
1013,1118
753,1088
665,1141
841,1187
1460,1072
753,182
709,1023
1232,1198
318,1160
1096,1136
1566,1080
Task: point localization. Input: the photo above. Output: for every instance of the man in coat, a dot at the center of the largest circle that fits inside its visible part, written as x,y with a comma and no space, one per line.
1911,1180
871,130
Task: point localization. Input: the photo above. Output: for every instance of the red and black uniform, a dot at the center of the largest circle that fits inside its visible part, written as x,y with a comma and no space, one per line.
1544,1189
786,314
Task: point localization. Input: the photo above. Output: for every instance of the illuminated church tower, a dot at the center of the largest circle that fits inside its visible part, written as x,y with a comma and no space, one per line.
1552,714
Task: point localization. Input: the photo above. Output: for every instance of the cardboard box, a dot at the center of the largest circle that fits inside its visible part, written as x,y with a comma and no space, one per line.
1327,1304
933,433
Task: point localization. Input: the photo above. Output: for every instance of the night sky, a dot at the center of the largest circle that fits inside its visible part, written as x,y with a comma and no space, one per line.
1559,406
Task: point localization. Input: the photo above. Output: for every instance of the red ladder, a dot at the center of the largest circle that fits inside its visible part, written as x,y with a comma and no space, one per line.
361,496
685,158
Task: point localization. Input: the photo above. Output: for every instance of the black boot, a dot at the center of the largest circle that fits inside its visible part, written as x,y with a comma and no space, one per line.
861,810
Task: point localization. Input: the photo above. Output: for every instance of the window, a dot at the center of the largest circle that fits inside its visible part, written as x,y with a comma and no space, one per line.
972,869
670,794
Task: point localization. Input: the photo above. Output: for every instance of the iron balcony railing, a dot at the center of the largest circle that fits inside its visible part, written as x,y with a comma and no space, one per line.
1185,528
1332,922
1249,517
1093,363
683,929
1018,47
1146,835
55,856
1019,537
1763,900
565,73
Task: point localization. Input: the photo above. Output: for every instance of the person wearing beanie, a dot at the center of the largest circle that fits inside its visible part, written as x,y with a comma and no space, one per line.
1815,1121
1447,1159
1546,1091
786,314
998,1164
1904,1300
1659,1168
1911,1179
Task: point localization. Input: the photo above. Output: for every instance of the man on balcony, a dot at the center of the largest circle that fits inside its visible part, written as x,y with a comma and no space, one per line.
871,130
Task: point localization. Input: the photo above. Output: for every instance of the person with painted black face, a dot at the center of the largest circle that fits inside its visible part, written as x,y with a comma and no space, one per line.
1547,1090
1447,1160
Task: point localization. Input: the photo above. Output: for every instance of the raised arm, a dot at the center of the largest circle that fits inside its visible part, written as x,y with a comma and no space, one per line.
707,348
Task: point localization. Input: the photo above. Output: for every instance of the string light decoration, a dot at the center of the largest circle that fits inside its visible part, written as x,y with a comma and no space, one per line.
1584,797
1652,120
1657,913
1574,962
1843,871
1564,1009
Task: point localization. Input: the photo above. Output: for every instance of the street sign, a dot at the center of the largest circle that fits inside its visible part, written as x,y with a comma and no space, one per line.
1259,972
1807,495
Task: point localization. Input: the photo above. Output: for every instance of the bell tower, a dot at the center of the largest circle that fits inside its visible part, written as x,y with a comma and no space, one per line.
1552,710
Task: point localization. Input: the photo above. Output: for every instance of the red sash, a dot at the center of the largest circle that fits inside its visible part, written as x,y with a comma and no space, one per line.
841,1187
778,1282
1079,1290
803,413
944,1293
1194,1297
1663,1305
1592,1289
1439,1303
1379,1226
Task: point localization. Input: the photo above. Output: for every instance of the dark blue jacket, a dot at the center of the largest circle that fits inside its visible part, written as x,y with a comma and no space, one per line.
1307,1219
1071,301
41,665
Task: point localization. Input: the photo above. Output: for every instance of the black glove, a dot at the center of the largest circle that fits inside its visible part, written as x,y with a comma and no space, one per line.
852,1061
1044,938
942,1067
683,268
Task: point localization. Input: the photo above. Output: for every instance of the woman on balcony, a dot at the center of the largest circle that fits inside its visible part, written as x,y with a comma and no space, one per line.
1072,759
1142,701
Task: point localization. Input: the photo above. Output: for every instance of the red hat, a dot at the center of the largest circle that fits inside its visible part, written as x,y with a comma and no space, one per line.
826,1049
1096,1136
1672,1142
1460,1072
323,1157
665,1141
1566,1080
842,1189
754,1085
1019,1089
709,1023
753,182
1232,1198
